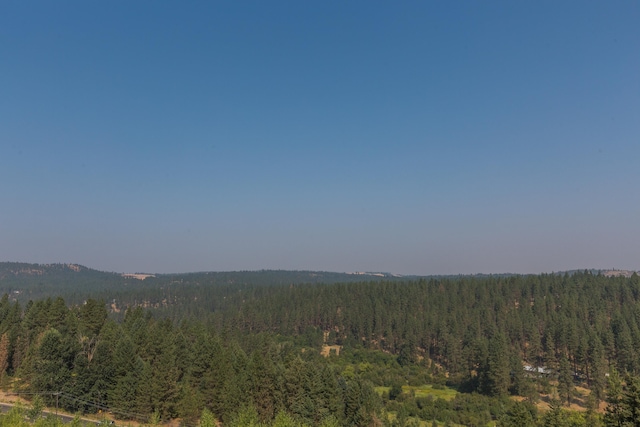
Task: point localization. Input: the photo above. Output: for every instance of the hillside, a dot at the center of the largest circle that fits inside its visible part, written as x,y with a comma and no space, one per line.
75,283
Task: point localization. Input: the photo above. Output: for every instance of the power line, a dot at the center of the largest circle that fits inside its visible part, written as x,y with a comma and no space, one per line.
76,399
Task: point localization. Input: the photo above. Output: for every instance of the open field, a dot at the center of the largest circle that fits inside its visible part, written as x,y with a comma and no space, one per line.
425,390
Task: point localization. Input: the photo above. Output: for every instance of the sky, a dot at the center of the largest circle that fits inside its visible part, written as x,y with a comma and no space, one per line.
414,137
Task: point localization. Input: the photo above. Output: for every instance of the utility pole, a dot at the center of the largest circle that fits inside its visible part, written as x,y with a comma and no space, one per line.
57,403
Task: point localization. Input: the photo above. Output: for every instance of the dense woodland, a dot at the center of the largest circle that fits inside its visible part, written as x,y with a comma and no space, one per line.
249,352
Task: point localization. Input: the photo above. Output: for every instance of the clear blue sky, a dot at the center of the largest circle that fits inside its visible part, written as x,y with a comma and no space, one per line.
417,137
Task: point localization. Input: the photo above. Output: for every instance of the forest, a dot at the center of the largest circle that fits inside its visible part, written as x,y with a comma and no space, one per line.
509,350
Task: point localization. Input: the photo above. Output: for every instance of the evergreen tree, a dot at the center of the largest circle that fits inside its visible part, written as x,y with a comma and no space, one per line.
299,398
4,355
129,369
361,403
283,419
591,417
598,370
614,414
50,370
520,415
628,414
565,381
518,383
494,377
92,315
189,402
555,417
207,419
245,417
266,394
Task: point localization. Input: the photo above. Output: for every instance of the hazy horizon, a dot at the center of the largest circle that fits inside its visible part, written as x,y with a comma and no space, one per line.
420,138
367,272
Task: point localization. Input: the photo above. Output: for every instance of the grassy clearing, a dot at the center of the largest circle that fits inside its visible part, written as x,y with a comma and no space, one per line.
425,390
381,390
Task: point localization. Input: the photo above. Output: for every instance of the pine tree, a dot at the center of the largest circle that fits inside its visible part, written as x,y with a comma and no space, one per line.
494,377
207,419
265,390
555,417
128,371
614,414
299,400
189,402
598,370
520,415
92,315
50,372
4,355
518,382
246,416
565,381
591,416
283,419
629,404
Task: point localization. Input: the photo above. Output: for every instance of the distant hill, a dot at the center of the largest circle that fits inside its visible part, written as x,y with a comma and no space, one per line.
23,281
197,292
9,269
75,283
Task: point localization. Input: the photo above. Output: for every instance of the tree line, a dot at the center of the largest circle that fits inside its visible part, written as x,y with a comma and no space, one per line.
252,350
